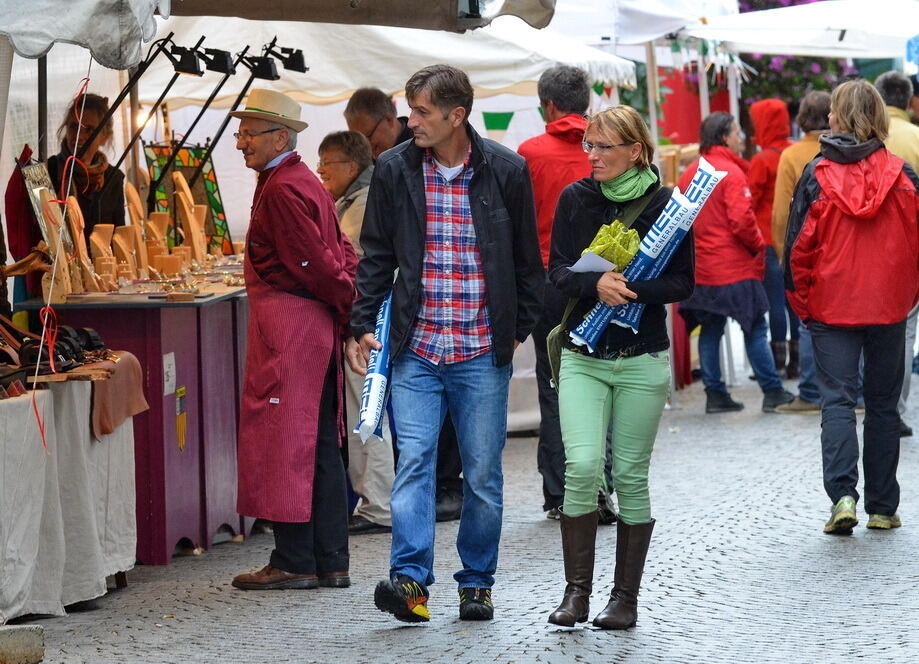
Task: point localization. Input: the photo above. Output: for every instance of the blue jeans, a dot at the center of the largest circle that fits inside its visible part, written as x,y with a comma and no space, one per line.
475,391
757,352
781,317
807,384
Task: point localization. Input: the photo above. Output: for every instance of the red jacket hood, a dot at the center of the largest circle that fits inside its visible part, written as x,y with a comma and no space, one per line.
859,187
569,128
770,123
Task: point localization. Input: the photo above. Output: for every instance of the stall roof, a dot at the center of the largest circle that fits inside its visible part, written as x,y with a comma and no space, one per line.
429,14
111,29
507,56
832,28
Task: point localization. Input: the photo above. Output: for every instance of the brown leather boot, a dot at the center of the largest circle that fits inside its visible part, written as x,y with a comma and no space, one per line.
631,550
579,537
793,369
779,354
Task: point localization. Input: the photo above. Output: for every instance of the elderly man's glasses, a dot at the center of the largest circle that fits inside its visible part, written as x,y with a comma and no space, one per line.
601,147
245,136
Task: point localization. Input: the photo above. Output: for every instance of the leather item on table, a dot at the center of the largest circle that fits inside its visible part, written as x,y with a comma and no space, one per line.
272,578
119,397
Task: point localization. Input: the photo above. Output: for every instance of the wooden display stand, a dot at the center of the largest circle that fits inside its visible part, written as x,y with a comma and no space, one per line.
674,158
123,248
191,218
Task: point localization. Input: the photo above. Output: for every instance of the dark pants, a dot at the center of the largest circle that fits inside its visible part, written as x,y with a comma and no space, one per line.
320,546
836,352
550,452
782,319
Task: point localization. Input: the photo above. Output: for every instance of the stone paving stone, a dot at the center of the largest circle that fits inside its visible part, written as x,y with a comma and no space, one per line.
738,571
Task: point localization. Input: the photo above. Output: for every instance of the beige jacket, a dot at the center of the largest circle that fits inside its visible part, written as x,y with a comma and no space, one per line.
791,164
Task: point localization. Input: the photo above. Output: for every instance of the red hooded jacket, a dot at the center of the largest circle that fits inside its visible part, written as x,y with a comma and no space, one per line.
555,160
771,122
729,246
852,246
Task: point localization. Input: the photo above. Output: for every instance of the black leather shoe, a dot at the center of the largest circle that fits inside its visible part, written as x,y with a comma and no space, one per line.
449,506
360,525
334,579
905,430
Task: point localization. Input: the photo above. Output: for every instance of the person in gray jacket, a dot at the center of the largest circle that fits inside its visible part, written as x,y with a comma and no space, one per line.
345,168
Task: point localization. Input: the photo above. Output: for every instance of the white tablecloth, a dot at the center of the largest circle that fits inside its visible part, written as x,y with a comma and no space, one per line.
67,518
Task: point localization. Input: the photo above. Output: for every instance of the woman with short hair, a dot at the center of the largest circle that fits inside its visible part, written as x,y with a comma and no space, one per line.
627,376
852,274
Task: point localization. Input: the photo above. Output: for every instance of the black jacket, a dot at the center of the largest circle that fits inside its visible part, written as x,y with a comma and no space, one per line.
393,237
582,209
102,207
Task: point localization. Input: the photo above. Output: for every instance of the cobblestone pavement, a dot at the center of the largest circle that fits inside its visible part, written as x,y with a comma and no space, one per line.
738,571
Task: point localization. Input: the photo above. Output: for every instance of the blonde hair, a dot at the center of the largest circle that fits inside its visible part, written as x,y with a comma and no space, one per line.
625,121
859,109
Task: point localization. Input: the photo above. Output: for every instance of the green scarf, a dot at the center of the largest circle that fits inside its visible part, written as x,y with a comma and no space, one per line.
628,186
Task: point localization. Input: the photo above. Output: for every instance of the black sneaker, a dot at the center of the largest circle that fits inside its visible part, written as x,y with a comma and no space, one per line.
774,398
720,402
403,597
475,604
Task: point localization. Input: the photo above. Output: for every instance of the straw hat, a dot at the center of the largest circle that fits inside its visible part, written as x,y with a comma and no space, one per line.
273,107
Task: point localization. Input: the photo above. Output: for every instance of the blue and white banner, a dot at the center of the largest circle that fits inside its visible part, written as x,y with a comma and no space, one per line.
654,254
376,383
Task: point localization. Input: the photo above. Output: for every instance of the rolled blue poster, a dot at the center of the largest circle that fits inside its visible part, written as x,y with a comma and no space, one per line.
376,384
654,254
698,191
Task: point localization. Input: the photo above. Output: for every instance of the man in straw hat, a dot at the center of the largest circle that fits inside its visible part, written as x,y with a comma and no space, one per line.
300,281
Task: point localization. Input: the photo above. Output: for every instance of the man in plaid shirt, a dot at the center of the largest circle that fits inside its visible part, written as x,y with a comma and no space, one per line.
454,214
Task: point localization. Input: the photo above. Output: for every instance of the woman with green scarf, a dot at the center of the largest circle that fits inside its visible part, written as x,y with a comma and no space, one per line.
627,377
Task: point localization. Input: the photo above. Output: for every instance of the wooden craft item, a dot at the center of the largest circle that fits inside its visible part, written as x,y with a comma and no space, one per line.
171,265
105,270
55,289
135,209
100,240
53,221
125,271
76,276
191,227
91,283
239,248
76,226
154,248
183,252
123,249
140,250
160,223
181,186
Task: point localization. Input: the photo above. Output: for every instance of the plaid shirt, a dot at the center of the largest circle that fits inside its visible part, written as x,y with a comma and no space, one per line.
453,323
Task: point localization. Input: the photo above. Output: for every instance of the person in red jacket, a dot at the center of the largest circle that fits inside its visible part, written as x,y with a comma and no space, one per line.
771,124
729,270
852,274
555,159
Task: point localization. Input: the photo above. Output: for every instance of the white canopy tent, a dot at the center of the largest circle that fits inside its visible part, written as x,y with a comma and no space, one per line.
832,28
506,57
503,61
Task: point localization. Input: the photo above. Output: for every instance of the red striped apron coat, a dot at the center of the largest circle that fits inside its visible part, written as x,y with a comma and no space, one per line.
291,339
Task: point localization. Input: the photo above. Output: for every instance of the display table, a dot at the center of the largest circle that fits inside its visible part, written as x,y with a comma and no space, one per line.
185,445
66,517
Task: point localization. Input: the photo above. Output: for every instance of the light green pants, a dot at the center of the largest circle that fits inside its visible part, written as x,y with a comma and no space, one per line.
634,390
